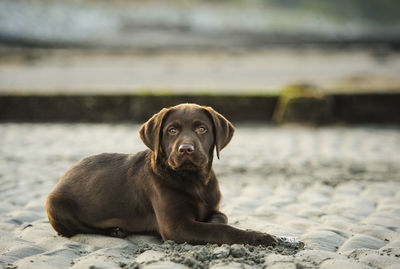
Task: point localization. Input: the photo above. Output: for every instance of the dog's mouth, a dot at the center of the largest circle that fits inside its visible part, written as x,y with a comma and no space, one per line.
187,162
188,165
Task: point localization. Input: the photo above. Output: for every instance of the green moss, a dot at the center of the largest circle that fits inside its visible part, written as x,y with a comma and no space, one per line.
290,95
300,90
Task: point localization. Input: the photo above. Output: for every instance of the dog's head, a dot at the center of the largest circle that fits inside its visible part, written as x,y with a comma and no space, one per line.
186,135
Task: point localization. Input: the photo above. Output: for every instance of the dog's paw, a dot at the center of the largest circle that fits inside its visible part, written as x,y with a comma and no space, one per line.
118,232
263,239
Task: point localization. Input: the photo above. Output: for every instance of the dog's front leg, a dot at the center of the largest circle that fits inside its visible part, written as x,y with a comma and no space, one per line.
176,222
194,232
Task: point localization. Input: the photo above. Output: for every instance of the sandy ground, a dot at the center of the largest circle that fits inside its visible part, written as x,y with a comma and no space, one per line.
337,189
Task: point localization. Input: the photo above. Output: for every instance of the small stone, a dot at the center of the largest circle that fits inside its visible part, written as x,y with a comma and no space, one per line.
189,262
221,252
238,251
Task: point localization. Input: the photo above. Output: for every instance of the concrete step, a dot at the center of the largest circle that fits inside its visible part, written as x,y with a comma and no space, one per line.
335,108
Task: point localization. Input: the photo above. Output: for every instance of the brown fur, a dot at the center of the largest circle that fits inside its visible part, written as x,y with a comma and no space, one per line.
163,190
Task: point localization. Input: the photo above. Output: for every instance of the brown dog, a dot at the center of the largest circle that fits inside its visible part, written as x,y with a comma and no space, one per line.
170,189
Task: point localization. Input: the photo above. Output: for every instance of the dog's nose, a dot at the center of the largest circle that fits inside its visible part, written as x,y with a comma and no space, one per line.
186,148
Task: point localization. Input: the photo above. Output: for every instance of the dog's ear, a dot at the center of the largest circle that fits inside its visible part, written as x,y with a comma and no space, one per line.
150,132
223,129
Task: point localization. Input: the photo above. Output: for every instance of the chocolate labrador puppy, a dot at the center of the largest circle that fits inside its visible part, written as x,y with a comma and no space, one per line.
169,189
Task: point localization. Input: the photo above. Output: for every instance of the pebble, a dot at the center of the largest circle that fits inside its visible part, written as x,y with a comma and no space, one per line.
238,251
221,252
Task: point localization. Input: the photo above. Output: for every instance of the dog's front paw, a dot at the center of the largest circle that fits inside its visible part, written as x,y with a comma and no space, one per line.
263,239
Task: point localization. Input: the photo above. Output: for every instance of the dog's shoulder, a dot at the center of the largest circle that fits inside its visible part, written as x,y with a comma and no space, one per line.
139,160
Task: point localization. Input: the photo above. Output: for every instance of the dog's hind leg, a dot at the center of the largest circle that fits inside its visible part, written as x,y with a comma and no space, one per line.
117,232
62,213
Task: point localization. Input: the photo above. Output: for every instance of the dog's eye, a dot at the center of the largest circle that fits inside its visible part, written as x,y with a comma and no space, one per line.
202,130
172,131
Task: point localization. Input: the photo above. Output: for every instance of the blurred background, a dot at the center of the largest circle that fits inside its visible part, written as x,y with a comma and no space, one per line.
274,61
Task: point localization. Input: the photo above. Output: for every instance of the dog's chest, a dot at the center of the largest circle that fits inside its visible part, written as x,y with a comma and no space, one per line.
202,211
203,205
